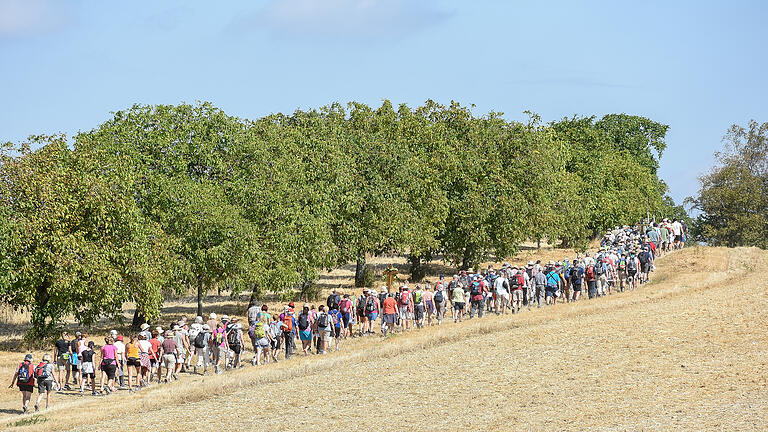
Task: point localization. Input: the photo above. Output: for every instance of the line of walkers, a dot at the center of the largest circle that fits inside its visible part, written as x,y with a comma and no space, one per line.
625,260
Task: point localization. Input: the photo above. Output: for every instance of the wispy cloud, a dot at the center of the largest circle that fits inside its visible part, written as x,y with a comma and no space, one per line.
29,17
343,18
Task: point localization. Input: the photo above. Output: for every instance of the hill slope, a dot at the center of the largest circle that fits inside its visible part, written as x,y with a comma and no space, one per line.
687,351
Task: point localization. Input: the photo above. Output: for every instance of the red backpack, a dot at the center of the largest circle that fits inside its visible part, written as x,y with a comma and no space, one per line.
288,321
591,272
520,281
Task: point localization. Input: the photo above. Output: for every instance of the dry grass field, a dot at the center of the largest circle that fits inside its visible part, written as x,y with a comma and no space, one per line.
686,352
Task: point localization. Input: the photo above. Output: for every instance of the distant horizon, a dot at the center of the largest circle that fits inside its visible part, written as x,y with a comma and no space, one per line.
691,65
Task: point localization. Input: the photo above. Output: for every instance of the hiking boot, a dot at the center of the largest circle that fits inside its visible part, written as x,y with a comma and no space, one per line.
24,409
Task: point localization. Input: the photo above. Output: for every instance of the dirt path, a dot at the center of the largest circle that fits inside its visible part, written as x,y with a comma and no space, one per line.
685,352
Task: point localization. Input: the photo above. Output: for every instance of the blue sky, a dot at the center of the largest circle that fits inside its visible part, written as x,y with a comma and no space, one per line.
698,66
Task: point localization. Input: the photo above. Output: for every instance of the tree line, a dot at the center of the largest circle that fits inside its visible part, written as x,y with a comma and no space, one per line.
163,200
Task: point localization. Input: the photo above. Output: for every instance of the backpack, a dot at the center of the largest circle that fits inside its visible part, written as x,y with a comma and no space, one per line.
515,282
25,376
193,332
591,272
370,305
476,291
200,340
552,279
322,320
631,265
40,373
233,338
344,306
623,264
600,268
333,301
405,297
382,297
643,257
218,337
417,297
304,321
438,297
520,280
288,321
575,275
361,305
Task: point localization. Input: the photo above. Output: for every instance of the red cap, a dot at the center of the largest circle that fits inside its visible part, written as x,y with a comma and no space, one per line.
291,304
120,338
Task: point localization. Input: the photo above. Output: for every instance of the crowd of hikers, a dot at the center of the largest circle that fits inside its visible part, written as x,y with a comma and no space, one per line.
624,260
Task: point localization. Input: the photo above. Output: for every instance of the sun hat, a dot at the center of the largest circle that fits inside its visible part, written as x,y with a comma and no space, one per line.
46,357
225,317
113,333
120,338
198,319
143,327
306,305
28,357
212,316
206,327
78,334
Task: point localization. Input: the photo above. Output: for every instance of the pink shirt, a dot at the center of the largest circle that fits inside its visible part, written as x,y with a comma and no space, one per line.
108,352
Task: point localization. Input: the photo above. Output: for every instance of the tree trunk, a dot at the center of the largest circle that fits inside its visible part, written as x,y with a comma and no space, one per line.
40,329
138,319
254,301
466,261
418,268
360,270
538,244
200,295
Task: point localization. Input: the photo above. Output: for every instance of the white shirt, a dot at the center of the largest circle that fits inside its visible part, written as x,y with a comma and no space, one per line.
677,228
120,348
498,285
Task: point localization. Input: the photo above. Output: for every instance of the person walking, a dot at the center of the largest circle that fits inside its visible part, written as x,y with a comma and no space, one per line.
133,362
24,378
62,353
46,381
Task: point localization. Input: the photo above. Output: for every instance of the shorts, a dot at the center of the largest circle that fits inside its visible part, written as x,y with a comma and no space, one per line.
62,362
429,306
337,332
169,360
389,318
645,268
305,335
153,363
576,288
517,295
26,387
87,368
405,314
678,238
418,312
345,318
458,306
325,335
45,386
262,343
551,292
372,316
275,344
109,369
133,362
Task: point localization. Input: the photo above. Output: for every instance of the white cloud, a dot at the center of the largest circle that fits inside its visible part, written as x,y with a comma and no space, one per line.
28,17
364,18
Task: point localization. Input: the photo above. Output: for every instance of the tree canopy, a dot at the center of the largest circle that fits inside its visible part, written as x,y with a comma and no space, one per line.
181,198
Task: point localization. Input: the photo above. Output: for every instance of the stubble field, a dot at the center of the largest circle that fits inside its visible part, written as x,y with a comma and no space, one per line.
686,352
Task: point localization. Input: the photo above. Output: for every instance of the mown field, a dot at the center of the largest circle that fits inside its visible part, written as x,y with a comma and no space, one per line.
685,352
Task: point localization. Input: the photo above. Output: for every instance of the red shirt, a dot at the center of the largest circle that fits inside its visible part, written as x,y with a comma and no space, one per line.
155,347
389,305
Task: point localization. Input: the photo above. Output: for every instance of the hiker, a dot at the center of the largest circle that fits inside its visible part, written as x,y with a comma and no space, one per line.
390,311
337,328
418,306
324,325
87,369
429,305
46,381
181,336
202,345
120,355
73,360
145,355
405,306
218,346
540,281
575,279
622,271
276,333
108,365
133,362
517,285
154,357
501,289
458,302
169,354
235,342
305,322
372,309
360,312
554,283
192,333
345,308
645,258
289,330
590,277
260,340
439,297
633,264
62,352
24,378
333,300
477,299
601,275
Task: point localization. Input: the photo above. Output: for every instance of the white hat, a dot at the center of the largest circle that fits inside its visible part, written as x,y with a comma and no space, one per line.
176,328
113,333
212,316
206,327
225,317
199,319
144,326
